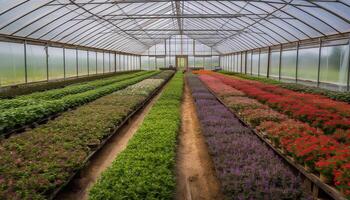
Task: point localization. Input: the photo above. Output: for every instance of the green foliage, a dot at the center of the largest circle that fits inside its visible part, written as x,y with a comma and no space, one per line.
336,95
17,117
14,91
145,169
36,162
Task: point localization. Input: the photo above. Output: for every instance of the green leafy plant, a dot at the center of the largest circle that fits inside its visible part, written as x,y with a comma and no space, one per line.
145,169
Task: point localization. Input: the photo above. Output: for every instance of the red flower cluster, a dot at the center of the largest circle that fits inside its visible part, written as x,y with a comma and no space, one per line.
317,110
220,89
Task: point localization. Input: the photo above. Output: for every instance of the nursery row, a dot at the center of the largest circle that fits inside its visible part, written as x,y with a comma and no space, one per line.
317,110
145,169
55,94
37,162
336,95
245,166
18,117
328,154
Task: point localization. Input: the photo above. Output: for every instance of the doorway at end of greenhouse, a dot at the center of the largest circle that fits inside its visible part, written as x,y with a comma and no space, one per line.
182,62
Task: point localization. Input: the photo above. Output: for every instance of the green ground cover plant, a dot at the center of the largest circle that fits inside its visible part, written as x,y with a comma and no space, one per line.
145,169
37,162
17,117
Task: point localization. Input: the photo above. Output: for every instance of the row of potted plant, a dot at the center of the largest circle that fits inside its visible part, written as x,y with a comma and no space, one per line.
55,94
246,168
18,117
336,95
317,110
37,162
307,145
145,169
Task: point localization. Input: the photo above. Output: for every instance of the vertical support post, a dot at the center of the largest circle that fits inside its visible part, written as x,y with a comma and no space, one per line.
259,63
245,62
348,81
319,63
140,63
25,62
64,63
165,53
47,61
220,62
115,62
109,59
251,63
280,63
103,62
297,64
241,62
268,62
96,61
76,58
88,62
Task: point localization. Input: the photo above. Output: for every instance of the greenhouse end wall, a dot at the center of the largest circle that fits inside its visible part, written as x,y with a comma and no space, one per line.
323,65
29,63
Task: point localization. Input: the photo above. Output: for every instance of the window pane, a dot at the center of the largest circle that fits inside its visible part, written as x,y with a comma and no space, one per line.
71,63
12,70
288,64
144,63
263,64
308,64
334,63
274,64
249,63
107,66
99,62
56,65
255,64
82,63
36,63
92,62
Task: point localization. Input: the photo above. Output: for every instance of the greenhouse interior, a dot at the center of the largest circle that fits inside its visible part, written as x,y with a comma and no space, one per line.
182,99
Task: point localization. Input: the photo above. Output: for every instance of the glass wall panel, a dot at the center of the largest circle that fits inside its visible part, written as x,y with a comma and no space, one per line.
152,62
288,65
117,62
82,63
36,63
71,63
334,64
160,62
255,64
249,62
144,63
12,70
207,63
243,62
56,65
215,61
112,62
190,61
92,62
274,64
100,62
308,64
106,64
199,62
263,64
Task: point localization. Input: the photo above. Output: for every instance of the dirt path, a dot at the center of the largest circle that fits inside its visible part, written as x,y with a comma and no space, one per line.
196,178
78,189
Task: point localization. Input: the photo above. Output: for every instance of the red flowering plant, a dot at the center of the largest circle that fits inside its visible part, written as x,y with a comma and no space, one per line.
258,115
342,136
309,149
342,178
219,88
238,104
340,156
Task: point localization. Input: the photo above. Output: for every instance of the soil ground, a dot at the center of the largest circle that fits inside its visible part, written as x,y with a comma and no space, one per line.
196,179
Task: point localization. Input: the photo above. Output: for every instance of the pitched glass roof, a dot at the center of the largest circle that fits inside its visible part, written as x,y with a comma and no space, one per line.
136,25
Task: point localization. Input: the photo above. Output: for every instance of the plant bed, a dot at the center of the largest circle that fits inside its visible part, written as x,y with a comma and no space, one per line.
15,119
145,169
246,167
296,138
9,92
37,163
